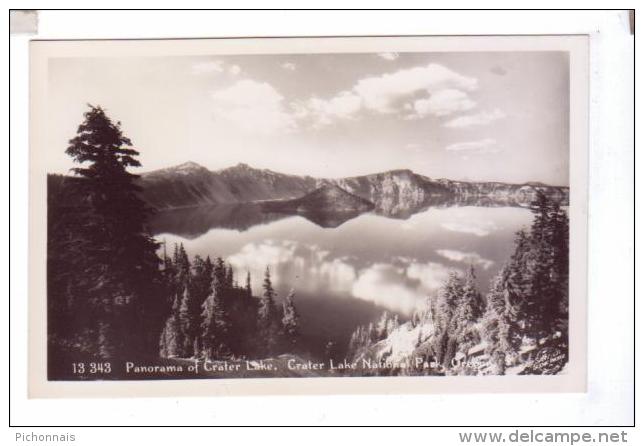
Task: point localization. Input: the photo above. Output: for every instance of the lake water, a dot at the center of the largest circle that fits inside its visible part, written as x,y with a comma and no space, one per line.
346,272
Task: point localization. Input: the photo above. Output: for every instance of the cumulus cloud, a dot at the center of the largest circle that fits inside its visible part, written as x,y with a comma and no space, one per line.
476,119
472,258
443,103
253,106
411,92
388,56
487,145
384,94
323,112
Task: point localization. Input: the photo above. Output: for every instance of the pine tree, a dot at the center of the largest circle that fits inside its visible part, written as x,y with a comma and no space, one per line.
193,297
182,267
118,255
175,254
372,333
502,328
249,289
182,307
215,325
444,307
392,324
357,341
469,309
267,318
219,272
290,321
229,277
171,343
529,297
382,325
449,298
560,272
546,270
190,323
471,304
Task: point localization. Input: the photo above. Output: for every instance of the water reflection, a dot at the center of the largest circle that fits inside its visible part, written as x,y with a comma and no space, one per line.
400,285
195,221
392,264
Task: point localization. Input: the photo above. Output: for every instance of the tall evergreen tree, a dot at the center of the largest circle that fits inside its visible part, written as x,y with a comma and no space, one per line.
444,308
290,321
529,297
502,327
119,256
267,317
230,281
181,268
219,274
560,269
469,309
190,311
471,305
171,343
546,271
215,325
200,289
248,289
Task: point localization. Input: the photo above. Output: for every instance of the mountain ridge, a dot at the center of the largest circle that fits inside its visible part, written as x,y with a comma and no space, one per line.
394,193
326,198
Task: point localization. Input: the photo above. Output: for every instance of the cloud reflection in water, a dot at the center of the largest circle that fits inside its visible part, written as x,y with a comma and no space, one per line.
401,285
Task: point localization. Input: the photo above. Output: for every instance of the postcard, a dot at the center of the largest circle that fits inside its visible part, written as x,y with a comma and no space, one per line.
308,215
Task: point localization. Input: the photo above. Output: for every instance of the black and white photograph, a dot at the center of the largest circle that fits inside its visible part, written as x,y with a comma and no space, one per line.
229,214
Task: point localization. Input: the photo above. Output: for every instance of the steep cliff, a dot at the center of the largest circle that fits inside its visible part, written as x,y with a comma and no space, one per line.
396,193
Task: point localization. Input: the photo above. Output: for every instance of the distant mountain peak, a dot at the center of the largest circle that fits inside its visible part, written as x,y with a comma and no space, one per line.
326,198
189,165
395,192
187,168
240,167
243,169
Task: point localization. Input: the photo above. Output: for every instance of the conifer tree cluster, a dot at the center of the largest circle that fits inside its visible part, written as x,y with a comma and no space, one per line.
526,306
366,335
528,301
455,312
110,295
212,317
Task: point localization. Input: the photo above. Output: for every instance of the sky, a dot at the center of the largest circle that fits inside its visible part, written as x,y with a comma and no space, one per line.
485,116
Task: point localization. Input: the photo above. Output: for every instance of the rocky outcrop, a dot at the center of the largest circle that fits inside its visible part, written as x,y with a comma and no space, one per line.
396,193
327,198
